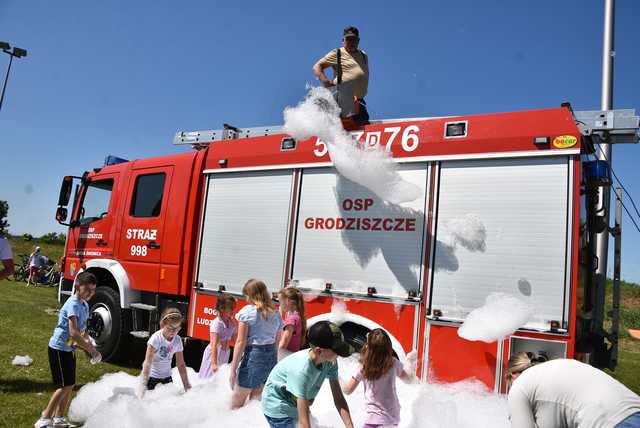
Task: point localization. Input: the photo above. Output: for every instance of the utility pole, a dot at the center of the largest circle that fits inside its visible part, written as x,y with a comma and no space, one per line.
604,197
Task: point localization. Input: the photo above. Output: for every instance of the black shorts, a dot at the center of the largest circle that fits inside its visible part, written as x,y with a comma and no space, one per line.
153,381
63,367
362,117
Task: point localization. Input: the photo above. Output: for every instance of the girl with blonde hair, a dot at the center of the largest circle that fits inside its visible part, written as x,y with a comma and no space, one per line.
161,347
259,326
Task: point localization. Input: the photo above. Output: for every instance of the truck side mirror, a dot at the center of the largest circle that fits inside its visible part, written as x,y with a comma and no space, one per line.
61,214
65,192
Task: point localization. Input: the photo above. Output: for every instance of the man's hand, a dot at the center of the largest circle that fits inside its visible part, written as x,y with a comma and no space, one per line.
232,379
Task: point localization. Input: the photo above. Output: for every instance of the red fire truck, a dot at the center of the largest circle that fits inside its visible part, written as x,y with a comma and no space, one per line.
255,203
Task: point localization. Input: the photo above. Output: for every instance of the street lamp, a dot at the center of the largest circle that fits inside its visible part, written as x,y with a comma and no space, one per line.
16,52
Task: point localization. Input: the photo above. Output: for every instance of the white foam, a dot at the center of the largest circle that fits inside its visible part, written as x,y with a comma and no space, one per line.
468,231
338,311
397,309
22,360
464,404
372,167
501,315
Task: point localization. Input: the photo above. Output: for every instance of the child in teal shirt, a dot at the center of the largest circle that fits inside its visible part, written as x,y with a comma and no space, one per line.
296,380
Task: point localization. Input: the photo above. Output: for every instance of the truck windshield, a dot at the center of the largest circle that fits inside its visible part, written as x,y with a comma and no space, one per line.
95,204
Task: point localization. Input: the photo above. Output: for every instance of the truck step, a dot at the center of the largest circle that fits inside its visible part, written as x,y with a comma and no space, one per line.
140,334
143,306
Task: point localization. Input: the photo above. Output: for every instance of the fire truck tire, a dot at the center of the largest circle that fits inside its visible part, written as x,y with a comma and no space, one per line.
108,324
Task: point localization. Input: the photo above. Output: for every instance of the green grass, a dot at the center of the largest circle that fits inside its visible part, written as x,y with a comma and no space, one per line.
20,246
25,329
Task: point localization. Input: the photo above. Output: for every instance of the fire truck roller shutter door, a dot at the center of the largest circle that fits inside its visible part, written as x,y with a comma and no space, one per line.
501,226
245,229
349,237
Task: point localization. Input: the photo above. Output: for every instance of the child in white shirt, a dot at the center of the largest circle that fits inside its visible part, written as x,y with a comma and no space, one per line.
222,330
161,347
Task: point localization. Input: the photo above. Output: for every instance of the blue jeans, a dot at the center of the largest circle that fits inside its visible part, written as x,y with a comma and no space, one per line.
256,364
281,422
632,421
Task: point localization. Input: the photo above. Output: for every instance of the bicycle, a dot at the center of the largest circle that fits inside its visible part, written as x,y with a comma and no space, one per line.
50,275
21,269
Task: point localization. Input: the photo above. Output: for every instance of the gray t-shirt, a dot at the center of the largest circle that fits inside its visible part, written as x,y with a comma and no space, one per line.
566,393
5,249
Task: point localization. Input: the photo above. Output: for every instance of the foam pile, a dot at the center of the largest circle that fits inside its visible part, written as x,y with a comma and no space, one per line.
22,360
501,315
464,404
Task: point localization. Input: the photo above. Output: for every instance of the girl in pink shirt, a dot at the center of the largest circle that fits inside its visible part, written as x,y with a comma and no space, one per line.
222,329
295,324
378,373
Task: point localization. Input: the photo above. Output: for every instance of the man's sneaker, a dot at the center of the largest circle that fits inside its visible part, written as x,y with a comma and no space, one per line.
43,423
61,422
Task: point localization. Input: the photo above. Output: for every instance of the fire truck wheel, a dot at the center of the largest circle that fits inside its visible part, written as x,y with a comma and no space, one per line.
107,322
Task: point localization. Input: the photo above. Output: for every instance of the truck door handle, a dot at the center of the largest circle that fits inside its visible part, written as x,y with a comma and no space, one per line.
101,243
153,244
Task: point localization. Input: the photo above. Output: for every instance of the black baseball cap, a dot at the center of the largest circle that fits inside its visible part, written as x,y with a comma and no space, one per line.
327,335
351,32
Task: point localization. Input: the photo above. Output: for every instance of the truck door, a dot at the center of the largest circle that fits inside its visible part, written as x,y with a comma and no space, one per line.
93,235
142,231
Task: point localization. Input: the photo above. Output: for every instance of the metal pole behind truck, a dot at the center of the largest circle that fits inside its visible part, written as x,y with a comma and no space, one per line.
604,198
6,79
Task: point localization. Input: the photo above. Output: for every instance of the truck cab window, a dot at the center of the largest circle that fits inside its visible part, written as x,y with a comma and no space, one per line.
147,195
95,204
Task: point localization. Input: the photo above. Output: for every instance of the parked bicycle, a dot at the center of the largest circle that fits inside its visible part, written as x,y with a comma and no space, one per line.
21,269
49,275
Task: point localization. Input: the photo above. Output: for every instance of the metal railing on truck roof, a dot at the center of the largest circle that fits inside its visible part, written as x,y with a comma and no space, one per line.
621,126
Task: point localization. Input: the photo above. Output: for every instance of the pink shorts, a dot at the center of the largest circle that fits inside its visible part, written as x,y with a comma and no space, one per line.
33,270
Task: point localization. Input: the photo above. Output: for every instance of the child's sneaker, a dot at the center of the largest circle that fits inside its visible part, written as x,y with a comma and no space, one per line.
43,423
61,422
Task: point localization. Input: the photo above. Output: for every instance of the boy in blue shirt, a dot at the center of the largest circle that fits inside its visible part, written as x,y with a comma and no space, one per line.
69,333
296,380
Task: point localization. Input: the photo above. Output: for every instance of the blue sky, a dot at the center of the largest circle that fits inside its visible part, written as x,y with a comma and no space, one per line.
121,77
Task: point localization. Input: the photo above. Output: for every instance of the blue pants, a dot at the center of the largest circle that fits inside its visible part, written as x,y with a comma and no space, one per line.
281,422
632,421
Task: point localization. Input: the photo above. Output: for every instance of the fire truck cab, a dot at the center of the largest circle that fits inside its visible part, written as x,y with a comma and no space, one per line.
181,229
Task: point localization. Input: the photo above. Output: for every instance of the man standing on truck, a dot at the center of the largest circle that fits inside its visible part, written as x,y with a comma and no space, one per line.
350,66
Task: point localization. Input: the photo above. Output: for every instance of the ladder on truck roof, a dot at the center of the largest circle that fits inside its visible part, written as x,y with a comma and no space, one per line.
229,132
618,126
